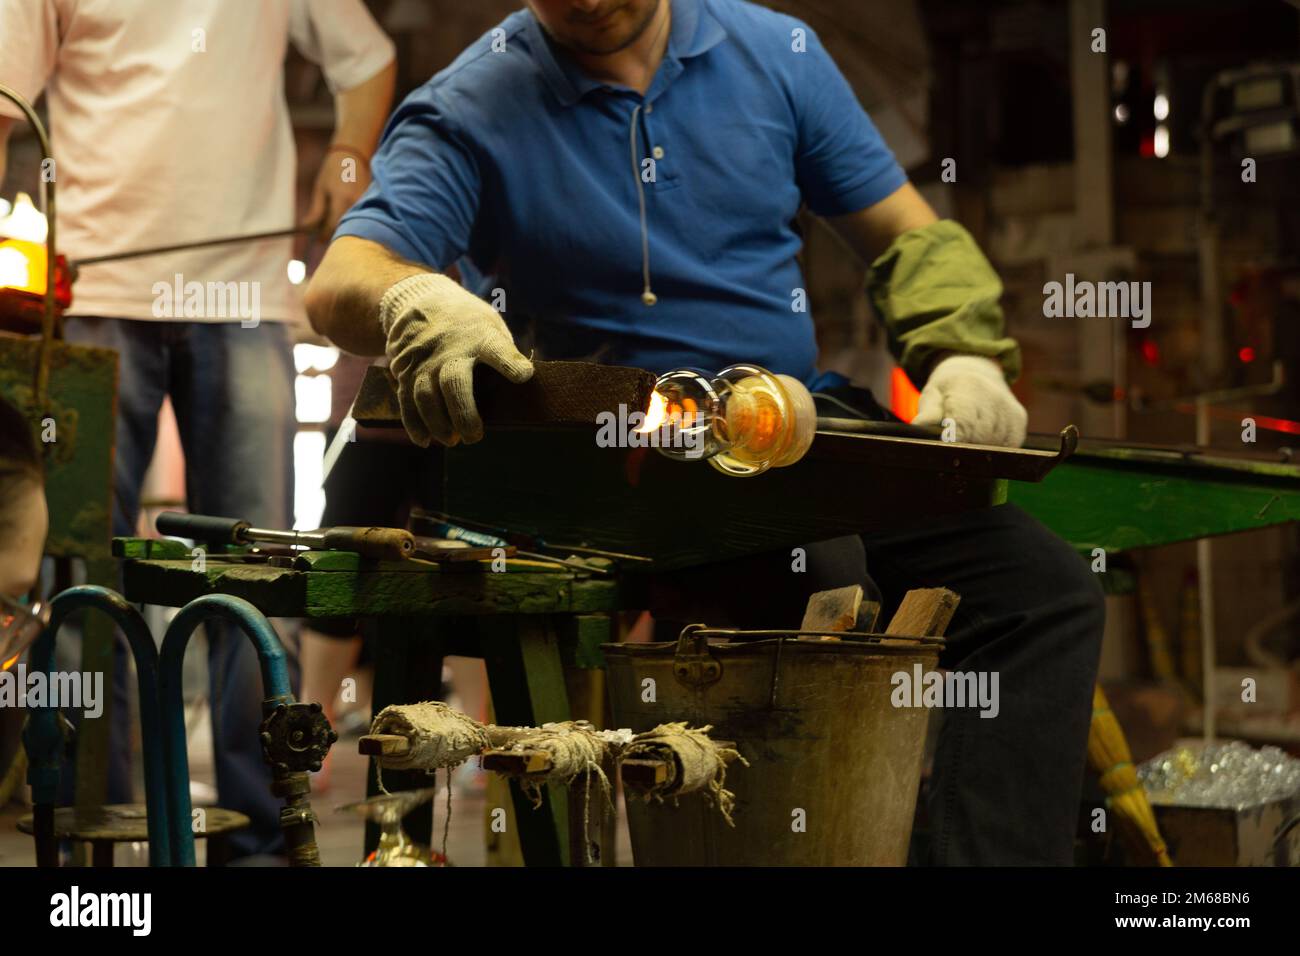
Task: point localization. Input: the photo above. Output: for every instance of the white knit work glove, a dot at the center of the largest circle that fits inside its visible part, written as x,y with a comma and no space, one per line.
972,391
437,332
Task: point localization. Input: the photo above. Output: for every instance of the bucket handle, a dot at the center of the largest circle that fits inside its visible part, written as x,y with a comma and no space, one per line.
693,665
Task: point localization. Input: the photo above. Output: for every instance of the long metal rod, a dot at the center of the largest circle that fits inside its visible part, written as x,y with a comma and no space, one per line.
294,539
196,244
863,426
1181,402
1205,589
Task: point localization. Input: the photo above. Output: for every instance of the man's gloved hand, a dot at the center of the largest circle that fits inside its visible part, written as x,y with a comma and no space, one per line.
437,332
972,391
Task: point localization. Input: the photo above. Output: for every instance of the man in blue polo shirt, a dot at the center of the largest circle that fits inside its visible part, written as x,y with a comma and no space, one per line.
621,179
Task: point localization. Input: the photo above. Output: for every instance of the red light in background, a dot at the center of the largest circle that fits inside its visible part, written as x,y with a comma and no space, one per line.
1150,352
1246,354
903,396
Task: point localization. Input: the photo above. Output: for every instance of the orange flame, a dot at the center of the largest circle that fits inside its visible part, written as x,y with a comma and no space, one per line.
655,415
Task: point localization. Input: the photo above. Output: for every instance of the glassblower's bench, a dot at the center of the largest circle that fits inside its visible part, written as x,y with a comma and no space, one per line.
539,470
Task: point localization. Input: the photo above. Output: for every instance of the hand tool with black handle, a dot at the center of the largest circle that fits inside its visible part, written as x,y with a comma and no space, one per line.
392,544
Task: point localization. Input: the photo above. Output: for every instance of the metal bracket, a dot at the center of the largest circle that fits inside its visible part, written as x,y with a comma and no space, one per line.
693,665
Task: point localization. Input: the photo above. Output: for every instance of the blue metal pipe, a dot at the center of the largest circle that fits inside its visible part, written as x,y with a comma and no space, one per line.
44,741
275,684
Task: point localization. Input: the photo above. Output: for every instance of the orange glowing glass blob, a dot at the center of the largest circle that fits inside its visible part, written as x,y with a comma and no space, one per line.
22,266
743,421
19,625
22,247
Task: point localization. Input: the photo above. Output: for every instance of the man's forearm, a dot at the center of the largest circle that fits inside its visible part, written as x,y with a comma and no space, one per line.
869,231
342,300
360,113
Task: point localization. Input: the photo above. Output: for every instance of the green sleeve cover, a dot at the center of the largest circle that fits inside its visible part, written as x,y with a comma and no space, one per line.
936,292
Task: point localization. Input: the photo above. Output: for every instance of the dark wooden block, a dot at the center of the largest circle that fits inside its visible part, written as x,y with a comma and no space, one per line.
559,393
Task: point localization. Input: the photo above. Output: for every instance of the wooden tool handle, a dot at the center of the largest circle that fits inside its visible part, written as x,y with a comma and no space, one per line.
383,745
391,544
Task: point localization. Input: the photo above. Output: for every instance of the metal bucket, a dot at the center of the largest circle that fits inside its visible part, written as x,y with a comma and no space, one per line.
833,766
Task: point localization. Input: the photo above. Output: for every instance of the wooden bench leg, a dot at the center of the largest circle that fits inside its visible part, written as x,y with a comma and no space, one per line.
526,677
580,638
408,669
218,847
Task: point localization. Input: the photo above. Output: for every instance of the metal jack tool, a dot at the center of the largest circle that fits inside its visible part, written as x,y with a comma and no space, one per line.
391,544
441,526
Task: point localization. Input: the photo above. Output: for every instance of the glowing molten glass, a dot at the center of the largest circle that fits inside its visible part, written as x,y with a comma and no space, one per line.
19,626
24,221
655,415
744,420
22,266
22,247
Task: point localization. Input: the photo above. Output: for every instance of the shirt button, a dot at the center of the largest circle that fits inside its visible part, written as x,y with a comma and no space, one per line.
649,108
659,152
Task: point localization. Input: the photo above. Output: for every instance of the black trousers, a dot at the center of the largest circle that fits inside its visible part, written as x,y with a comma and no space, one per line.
1005,790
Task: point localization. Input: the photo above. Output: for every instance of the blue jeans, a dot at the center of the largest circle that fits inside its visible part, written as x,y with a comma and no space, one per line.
232,389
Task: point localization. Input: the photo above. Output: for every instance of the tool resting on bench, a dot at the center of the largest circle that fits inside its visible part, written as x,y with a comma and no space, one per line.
378,543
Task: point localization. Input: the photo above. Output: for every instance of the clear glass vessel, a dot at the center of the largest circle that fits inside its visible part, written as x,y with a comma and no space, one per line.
743,421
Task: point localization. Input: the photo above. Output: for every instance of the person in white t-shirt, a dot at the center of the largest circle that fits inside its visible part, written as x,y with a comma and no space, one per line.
169,124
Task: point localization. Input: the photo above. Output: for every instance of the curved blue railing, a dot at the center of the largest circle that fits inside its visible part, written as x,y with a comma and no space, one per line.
275,682
43,739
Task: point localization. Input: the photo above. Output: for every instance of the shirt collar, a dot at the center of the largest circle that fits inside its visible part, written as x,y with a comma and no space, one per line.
695,31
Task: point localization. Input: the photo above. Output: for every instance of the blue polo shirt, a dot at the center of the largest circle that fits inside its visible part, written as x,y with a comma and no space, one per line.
518,168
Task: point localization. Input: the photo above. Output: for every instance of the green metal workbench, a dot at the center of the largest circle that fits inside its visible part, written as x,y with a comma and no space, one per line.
532,621
1123,497
528,623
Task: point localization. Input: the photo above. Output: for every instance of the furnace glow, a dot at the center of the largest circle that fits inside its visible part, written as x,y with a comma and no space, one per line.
22,249
24,221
